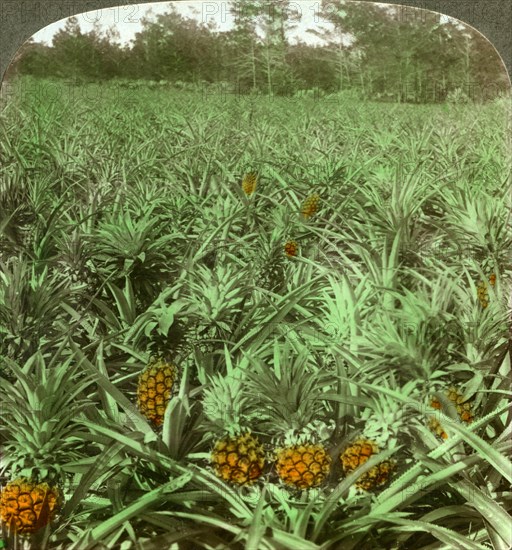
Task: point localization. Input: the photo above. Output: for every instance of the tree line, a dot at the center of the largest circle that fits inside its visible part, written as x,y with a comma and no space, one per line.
372,51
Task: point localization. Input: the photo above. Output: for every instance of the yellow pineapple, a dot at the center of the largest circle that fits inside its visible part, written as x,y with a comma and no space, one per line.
435,426
249,182
237,456
154,389
483,290
298,424
310,205
238,459
463,407
483,294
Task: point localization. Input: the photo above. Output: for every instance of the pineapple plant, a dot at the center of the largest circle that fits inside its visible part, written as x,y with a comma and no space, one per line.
269,262
310,205
249,182
30,308
40,414
237,456
463,407
74,268
298,425
16,229
154,389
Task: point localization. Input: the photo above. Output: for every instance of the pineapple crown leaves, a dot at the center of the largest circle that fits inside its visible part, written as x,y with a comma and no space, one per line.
123,241
384,416
225,405
40,412
286,395
29,298
72,248
339,311
421,331
269,246
214,294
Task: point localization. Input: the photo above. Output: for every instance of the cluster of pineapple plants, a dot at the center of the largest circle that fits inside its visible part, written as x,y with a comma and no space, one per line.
294,446
283,359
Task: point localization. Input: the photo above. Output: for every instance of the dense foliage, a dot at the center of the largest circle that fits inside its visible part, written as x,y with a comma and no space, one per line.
126,232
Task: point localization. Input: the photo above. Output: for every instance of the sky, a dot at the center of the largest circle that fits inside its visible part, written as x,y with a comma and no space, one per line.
128,19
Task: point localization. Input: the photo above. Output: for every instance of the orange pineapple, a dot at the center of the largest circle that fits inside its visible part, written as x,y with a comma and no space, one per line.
291,249
303,466
356,454
26,506
289,408
237,456
40,417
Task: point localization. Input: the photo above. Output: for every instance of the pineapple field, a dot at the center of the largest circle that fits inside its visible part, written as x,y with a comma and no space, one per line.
249,322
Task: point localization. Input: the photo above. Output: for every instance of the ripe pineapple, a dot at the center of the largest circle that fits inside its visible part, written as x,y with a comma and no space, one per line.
357,453
310,205
249,182
462,405
26,506
238,456
238,459
296,423
291,248
154,389
303,465
39,417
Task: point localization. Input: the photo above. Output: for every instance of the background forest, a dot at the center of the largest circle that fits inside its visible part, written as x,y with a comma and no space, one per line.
403,54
